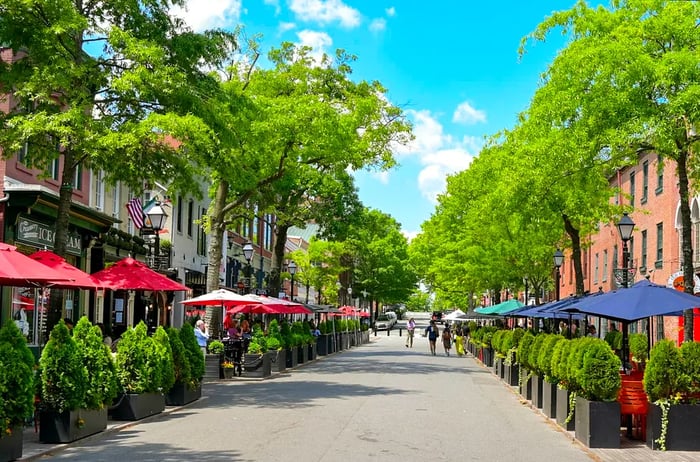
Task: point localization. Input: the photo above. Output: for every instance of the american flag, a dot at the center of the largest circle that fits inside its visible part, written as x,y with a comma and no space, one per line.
135,209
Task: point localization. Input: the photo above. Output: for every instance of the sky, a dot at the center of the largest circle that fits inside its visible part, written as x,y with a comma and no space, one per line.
451,65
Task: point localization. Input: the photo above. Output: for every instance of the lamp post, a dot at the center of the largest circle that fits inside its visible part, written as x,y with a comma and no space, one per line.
558,261
157,217
525,281
248,255
350,296
292,268
625,227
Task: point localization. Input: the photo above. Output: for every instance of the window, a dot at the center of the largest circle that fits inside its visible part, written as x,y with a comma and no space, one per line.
605,266
659,246
22,153
201,235
630,249
178,213
645,181
190,217
660,178
614,257
78,179
584,263
100,190
268,232
54,169
595,269
116,192
632,188
643,265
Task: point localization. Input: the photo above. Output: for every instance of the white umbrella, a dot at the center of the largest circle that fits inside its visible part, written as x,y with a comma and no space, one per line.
456,315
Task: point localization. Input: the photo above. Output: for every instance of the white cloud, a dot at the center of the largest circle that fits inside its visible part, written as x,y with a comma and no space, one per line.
318,41
440,154
326,12
208,14
466,114
286,26
390,11
410,234
377,25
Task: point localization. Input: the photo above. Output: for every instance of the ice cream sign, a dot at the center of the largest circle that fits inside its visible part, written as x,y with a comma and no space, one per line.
42,235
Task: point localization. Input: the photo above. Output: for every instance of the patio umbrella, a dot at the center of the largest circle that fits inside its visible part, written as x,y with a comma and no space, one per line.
279,305
251,308
17,269
221,297
130,274
77,278
456,315
501,308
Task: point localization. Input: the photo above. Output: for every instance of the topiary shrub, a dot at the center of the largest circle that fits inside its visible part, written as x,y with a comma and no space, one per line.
575,362
260,339
639,347
181,363
600,375
560,358
134,363
534,354
273,344
16,379
524,350
254,348
63,373
544,358
162,361
286,333
194,355
664,378
690,357
102,385
614,339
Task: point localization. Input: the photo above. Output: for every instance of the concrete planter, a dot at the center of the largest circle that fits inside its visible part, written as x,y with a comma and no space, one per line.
133,406
598,423
257,365
278,360
291,357
563,409
212,367
68,426
682,431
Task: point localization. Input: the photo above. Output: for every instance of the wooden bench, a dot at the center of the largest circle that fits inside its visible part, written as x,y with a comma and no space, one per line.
634,406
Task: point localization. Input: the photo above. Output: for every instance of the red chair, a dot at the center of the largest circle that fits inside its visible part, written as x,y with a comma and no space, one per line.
634,407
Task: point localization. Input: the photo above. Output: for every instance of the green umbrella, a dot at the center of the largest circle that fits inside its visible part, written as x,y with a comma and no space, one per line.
501,308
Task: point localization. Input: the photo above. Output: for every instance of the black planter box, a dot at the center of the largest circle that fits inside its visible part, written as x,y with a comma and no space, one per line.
563,409
256,365
365,336
278,360
497,363
537,391
137,406
291,357
68,426
526,384
682,430
212,367
180,394
312,351
549,399
598,423
301,354
488,356
322,342
512,376
11,445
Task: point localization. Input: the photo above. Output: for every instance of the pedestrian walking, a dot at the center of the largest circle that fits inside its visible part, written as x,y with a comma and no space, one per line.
410,328
459,341
432,333
447,340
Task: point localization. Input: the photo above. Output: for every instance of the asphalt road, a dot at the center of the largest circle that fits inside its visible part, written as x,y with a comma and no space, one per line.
380,402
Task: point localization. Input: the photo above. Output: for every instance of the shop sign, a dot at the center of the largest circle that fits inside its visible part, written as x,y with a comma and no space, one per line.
677,281
42,236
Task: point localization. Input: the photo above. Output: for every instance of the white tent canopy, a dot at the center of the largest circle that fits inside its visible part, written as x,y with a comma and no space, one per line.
456,315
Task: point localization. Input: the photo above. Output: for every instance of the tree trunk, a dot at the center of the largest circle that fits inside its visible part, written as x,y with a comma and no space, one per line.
686,242
575,253
278,257
213,317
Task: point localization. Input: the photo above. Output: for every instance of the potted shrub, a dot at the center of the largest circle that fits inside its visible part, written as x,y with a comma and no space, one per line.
193,388
672,383
256,363
597,410
310,340
525,368
323,342
549,384
560,358
278,357
16,390
288,345
228,369
213,359
185,388
537,374
139,369
639,350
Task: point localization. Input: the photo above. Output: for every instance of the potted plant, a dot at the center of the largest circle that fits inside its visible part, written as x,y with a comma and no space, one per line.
288,344
193,388
277,353
228,369
140,373
213,359
185,388
537,374
309,341
256,363
639,350
323,341
17,366
597,410
525,368
549,383
78,381
560,359
672,383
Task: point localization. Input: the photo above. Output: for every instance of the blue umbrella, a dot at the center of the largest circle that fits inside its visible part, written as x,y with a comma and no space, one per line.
549,310
642,300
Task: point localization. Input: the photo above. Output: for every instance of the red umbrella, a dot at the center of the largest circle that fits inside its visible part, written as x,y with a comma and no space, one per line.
78,278
281,306
130,274
17,269
221,297
252,308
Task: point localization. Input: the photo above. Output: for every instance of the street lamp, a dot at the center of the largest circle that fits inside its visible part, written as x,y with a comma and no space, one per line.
248,255
558,261
625,227
350,295
292,267
157,217
525,281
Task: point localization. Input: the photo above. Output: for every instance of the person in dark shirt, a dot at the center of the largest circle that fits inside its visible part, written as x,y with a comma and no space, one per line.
432,332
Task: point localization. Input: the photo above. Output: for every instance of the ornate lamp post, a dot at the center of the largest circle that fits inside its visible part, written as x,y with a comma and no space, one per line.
558,261
157,217
625,227
248,255
292,268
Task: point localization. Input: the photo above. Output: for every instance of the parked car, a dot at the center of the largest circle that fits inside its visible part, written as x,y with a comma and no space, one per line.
437,316
385,321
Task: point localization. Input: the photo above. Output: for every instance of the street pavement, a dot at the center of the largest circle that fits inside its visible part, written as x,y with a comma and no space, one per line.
380,401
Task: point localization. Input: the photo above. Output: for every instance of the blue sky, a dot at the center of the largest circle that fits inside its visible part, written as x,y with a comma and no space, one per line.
452,65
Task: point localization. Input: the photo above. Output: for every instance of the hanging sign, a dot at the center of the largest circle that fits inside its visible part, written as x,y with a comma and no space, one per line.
676,281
